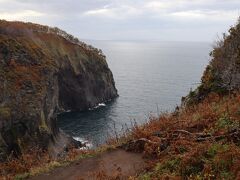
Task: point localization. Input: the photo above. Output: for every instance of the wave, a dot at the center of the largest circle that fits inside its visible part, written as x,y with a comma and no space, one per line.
98,106
86,144
101,104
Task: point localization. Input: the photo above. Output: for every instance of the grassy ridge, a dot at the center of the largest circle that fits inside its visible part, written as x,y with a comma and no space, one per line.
198,142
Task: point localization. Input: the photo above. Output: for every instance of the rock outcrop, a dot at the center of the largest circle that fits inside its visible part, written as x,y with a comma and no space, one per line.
44,71
222,75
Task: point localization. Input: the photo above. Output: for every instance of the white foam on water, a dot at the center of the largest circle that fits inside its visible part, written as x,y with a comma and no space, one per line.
101,104
88,145
98,106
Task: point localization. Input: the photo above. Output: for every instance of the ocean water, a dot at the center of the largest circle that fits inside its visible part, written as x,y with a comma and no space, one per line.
151,77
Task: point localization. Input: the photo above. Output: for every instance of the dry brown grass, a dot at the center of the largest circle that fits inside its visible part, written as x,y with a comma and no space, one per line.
197,142
36,161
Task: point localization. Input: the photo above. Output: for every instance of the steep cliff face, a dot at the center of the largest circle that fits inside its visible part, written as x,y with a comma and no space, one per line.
44,71
222,75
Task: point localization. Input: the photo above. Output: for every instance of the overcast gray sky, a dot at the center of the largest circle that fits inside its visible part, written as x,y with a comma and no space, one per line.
166,20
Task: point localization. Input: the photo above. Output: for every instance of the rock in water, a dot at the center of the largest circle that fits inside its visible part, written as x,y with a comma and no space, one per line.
44,71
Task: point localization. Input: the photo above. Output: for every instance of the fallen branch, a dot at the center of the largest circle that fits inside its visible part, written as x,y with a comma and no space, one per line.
168,136
184,132
233,133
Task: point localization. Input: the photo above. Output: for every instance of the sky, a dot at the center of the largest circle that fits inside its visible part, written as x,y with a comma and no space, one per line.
160,20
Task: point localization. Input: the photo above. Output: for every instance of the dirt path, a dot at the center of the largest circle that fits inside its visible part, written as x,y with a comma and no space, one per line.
116,163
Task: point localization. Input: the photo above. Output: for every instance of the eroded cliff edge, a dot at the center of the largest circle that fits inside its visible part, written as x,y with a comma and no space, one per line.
222,75
44,71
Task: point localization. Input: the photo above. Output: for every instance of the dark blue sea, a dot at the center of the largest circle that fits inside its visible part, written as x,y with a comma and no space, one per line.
151,77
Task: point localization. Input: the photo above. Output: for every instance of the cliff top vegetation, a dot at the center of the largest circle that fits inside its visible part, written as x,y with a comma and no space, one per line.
201,141
18,27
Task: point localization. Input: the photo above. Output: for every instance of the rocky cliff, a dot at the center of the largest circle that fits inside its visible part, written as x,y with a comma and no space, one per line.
222,75
44,71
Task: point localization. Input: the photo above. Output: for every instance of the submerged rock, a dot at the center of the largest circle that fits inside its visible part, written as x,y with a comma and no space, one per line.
44,71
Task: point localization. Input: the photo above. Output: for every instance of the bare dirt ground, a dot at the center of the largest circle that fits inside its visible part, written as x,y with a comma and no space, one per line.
116,164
